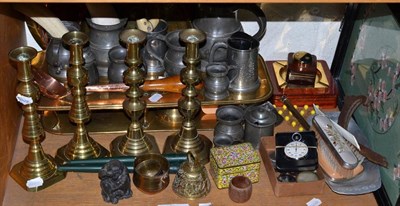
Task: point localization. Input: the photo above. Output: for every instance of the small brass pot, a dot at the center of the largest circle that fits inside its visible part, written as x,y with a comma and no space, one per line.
151,173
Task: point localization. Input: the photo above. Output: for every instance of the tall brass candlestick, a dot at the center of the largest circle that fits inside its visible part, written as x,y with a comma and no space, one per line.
135,141
37,165
81,146
187,139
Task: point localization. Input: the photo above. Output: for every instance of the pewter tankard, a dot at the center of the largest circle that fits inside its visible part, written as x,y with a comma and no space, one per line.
154,51
242,61
219,22
102,38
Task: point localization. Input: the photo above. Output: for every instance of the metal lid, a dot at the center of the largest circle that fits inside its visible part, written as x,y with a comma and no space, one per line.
260,116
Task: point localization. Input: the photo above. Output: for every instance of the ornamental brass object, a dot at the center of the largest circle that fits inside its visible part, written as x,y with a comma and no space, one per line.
81,146
187,139
191,180
135,141
36,164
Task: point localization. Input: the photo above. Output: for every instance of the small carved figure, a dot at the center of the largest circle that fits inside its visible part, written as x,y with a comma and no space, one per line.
114,181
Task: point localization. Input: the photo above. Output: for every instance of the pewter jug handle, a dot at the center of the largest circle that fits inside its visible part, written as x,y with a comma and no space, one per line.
233,72
261,19
214,48
150,50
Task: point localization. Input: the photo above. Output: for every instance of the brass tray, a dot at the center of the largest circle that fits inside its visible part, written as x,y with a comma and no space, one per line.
108,115
113,100
116,121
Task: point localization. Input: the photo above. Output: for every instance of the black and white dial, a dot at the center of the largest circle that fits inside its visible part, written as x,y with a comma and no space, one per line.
296,150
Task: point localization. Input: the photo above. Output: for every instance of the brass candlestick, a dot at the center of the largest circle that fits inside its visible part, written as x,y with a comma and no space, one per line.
187,139
37,165
135,141
81,146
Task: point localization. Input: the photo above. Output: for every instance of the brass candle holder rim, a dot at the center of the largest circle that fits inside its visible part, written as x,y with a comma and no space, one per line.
23,53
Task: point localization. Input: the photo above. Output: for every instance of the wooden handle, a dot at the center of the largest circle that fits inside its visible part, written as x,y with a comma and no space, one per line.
44,17
171,84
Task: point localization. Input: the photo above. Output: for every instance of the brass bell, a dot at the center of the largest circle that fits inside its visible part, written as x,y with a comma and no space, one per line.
191,180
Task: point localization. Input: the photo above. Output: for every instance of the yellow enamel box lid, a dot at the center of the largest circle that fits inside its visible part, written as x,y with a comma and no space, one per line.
231,156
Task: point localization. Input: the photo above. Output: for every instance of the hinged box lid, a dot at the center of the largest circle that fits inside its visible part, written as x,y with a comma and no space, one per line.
230,156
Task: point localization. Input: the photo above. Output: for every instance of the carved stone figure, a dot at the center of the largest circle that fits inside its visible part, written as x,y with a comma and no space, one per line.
115,182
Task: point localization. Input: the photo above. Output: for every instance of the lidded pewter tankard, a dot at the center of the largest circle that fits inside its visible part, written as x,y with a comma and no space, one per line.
191,180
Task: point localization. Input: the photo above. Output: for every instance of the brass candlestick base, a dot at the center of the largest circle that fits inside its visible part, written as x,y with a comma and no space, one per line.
38,170
125,146
135,142
199,145
42,166
81,146
187,139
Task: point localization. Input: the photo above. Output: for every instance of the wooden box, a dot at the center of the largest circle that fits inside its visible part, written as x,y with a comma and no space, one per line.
281,189
324,93
228,162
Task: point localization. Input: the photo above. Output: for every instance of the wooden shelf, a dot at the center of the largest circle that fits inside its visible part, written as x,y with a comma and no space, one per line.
84,188
198,1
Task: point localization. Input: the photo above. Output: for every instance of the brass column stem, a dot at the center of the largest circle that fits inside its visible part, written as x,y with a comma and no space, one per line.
37,164
135,141
81,146
188,139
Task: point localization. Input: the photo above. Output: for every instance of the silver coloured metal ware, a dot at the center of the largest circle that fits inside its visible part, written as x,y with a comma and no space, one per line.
229,123
102,38
259,122
217,82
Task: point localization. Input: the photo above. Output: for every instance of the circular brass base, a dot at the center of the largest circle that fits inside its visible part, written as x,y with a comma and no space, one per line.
56,176
63,155
122,146
202,153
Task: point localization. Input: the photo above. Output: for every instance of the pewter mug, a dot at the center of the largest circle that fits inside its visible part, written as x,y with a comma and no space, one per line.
217,82
219,22
173,59
102,38
242,60
154,51
229,123
117,64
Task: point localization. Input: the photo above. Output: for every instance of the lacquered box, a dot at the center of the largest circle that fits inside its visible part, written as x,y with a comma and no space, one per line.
287,189
228,162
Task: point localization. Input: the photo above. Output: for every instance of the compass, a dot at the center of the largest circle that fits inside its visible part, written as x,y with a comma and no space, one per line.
296,151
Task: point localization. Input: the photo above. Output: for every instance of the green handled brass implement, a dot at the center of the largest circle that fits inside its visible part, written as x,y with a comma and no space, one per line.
95,164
